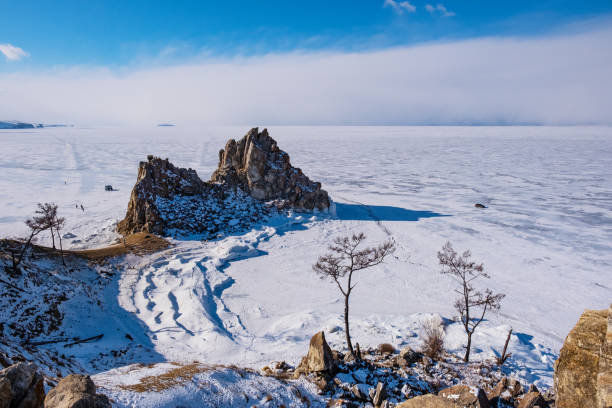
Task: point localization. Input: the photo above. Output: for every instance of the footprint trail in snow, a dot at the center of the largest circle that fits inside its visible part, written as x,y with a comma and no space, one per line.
179,296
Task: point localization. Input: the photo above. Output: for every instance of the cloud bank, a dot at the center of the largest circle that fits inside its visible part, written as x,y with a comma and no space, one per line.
12,53
549,80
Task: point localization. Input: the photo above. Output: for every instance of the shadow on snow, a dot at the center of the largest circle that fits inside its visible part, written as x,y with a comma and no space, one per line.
362,212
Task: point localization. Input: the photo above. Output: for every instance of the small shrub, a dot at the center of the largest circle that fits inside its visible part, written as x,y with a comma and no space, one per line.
432,333
386,348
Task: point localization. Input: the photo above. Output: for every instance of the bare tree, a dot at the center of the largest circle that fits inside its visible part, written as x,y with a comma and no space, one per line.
46,218
58,224
501,359
472,304
343,260
35,228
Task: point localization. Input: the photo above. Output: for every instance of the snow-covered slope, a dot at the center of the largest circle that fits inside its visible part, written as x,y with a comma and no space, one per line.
253,298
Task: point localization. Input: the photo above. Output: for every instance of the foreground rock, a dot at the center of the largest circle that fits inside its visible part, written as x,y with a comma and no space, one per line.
466,396
385,377
532,400
259,167
583,376
21,386
319,360
428,401
253,175
76,391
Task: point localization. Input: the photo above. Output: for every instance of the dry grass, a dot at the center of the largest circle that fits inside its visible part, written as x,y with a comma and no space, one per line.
176,376
432,333
141,243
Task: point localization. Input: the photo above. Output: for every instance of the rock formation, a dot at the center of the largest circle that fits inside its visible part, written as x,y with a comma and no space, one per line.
466,396
583,374
258,166
76,391
253,174
428,401
319,359
167,200
21,386
533,399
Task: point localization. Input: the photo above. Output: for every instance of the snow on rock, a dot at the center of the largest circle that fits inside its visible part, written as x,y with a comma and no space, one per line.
175,201
257,165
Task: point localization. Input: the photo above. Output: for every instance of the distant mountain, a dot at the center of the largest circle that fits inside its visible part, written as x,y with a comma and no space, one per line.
13,124
165,125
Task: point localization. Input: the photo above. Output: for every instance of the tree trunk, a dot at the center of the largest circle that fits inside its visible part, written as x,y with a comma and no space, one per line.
14,259
468,347
346,327
52,237
24,248
61,248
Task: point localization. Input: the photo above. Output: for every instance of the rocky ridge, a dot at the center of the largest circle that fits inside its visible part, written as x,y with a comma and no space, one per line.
261,168
254,177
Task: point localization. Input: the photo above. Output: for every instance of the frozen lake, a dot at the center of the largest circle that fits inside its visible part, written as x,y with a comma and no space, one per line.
546,236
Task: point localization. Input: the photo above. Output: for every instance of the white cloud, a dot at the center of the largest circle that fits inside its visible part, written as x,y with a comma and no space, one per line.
547,80
400,6
439,8
12,53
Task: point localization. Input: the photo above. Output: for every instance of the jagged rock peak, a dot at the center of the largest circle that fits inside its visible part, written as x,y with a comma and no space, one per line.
261,168
169,200
254,175
167,180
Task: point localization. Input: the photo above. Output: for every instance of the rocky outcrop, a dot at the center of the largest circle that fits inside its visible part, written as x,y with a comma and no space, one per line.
261,168
533,399
76,391
428,401
319,360
604,376
21,386
466,396
505,392
168,200
407,356
583,377
253,175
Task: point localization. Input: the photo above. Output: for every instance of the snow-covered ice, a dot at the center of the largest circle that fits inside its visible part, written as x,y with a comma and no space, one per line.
252,298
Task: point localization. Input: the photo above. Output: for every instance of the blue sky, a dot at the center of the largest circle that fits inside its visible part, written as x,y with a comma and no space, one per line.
115,33
374,62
